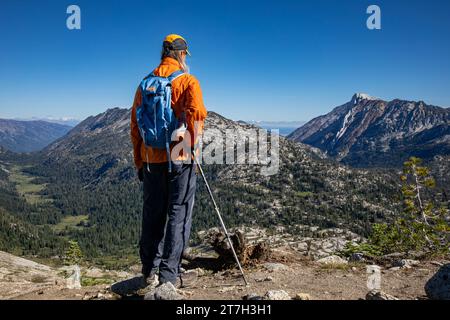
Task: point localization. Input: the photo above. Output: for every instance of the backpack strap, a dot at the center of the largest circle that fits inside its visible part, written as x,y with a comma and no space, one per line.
148,76
172,77
175,75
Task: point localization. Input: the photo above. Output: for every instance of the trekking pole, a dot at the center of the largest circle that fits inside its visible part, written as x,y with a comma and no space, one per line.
220,218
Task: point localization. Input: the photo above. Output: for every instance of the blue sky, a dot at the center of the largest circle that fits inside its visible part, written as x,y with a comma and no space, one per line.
256,60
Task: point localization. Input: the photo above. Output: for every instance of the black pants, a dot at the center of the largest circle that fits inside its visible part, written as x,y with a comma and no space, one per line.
167,217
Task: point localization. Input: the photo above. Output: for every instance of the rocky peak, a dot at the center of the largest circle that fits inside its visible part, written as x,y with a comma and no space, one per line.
369,131
358,97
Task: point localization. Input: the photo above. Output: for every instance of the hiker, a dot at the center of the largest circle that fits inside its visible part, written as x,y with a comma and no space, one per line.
169,184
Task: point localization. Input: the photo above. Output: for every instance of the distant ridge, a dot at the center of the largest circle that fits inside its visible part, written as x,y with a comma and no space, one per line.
29,136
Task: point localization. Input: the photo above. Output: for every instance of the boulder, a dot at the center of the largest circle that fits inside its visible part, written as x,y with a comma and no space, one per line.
273,267
332,260
438,287
302,296
165,291
74,280
129,286
356,257
277,295
373,277
406,263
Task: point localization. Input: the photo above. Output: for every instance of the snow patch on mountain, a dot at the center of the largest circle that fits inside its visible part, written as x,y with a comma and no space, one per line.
347,120
358,97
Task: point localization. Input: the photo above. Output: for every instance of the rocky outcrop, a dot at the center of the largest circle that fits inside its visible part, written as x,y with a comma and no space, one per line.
252,243
20,276
277,295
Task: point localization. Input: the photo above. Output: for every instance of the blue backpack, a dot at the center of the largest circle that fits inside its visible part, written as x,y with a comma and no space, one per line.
155,117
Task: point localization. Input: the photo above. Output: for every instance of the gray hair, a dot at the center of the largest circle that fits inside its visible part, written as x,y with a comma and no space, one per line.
176,54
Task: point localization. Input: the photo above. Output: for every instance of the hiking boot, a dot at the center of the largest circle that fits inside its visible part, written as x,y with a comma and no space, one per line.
149,283
185,279
151,279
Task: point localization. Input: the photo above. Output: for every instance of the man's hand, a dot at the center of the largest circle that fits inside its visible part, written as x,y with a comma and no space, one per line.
141,174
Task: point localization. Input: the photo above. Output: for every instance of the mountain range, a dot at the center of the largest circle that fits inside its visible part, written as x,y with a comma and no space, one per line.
29,136
368,131
68,121
89,177
88,190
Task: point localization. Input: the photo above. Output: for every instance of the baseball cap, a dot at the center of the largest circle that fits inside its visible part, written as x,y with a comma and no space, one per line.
175,42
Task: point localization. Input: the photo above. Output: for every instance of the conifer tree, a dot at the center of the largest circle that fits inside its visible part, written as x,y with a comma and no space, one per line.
73,253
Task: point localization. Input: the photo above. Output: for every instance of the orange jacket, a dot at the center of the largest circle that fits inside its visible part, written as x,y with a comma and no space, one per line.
186,97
